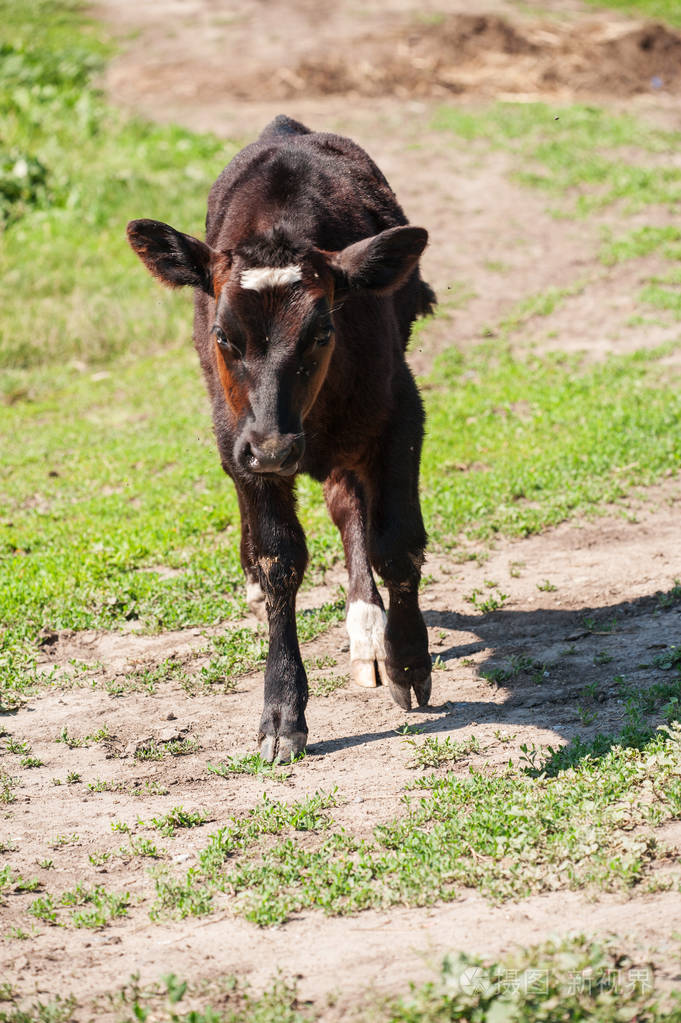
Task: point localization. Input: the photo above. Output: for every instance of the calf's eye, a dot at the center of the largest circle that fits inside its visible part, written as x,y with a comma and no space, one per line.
223,341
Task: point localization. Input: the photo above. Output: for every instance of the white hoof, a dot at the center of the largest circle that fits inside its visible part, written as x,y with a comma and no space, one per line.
364,674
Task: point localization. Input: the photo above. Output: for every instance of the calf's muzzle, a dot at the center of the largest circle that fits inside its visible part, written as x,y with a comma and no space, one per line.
274,453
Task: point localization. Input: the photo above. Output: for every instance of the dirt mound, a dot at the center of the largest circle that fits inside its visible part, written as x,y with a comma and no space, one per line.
619,61
416,60
469,34
482,53
292,54
646,53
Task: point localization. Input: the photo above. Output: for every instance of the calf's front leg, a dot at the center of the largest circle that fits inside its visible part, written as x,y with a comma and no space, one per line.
279,557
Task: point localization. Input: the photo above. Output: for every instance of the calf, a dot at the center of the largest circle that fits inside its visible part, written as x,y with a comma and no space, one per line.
305,291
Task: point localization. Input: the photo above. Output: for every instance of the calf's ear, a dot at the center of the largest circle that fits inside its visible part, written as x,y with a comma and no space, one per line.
380,264
174,258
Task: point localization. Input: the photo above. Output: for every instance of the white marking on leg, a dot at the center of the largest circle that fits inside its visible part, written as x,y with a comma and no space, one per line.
366,628
262,277
254,593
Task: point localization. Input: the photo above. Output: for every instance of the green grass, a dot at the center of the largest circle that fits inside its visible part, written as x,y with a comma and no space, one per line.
233,1001
153,750
142,502
642,242
541,304
30,762
554,437
326,685
663,10
574,152
664,293
655,705
434,752
7,786
149,788
193,894
227,999
92,908
59,1010
65,244
89,907
148,678
17,746
61,840
76,742
145,847
128,501
178,817
250,763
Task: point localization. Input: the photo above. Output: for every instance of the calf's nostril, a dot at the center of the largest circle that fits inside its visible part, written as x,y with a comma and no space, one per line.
269,457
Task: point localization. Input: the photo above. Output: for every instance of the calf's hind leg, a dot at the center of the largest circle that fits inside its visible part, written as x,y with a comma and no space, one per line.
397,542
366,619
255,596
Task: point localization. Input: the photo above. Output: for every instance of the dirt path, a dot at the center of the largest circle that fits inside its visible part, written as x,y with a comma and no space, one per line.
211,67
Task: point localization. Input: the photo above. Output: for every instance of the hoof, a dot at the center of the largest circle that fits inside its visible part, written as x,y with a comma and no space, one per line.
281,748
401,693
422,691
365,674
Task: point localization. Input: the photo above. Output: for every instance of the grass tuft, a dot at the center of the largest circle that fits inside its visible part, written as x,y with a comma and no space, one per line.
250,763
433,752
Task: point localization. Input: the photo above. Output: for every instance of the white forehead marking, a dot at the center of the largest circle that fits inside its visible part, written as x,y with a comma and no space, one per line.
271,276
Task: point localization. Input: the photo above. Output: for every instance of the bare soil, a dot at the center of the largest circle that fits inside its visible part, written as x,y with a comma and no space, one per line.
373,71
606,573
252,52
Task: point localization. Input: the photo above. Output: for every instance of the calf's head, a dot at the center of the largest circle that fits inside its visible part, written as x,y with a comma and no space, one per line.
273,335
